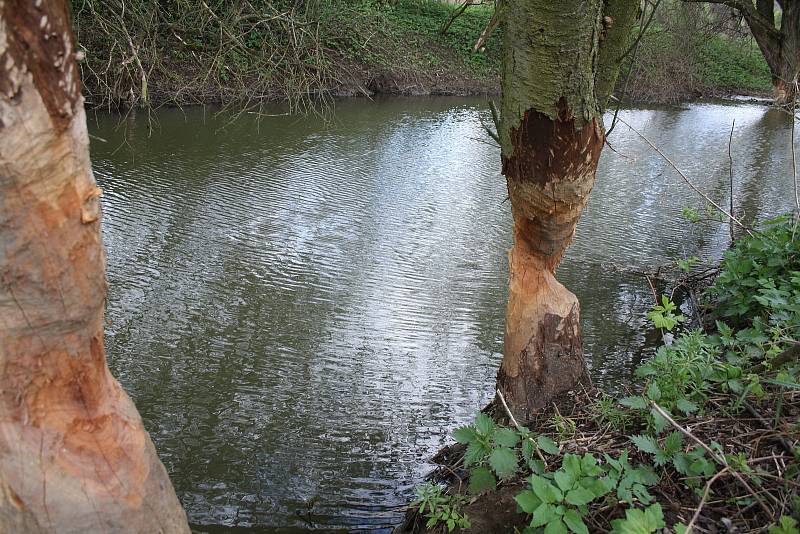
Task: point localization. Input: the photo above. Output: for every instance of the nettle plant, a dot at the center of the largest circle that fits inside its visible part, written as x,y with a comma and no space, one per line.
693,464
494,451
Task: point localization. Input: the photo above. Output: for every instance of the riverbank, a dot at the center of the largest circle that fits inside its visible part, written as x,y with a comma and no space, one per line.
707,440
267,51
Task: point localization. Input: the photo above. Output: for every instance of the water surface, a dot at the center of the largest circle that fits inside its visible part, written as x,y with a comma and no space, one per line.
302,312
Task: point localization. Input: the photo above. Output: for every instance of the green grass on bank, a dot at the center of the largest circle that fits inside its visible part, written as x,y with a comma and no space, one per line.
733,64
407,35
428,18
677,64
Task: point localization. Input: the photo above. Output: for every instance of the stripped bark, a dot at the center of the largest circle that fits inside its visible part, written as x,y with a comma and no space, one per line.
780,46
560,63
74,455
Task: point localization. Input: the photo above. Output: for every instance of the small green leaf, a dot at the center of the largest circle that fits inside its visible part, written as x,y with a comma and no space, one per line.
528,449
547,445
659,422
574,522
646,444
543,515
506,437
645,475
636,403
504,462
464,434
474,454
528,501
786,525
565,481
637,521
483,423
681,463
481,479
598,486
556,527
536,466
673,442
544,490
571,464
653,392
579,496
687,406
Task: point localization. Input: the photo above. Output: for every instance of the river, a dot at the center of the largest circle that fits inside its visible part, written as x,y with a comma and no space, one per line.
302,312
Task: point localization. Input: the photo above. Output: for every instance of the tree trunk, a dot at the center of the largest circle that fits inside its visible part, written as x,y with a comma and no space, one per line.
560,63
74,456
779,46
787,64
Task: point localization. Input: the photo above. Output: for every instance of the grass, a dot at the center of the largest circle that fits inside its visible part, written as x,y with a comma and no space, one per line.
733,64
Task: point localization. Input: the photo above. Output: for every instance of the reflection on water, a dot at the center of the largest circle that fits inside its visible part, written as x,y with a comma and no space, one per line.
303,312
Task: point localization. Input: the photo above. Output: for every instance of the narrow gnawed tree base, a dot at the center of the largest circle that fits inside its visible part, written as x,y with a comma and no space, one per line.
543,355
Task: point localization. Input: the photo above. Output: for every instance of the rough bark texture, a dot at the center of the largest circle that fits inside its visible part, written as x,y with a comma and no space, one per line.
779,46
560,62
74,456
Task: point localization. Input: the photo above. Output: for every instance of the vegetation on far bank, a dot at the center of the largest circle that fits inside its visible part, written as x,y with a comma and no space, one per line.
193,52
708,440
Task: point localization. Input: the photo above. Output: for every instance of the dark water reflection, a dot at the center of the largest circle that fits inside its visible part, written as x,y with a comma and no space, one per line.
303,312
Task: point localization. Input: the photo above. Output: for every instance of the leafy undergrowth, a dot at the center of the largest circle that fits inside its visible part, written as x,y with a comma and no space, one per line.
708,441
733,65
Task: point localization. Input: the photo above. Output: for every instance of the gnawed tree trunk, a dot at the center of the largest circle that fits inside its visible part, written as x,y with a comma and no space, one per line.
560,63
779,46
74,456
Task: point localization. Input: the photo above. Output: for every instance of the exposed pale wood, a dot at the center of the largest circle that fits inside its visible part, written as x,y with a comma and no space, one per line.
74,455
560,61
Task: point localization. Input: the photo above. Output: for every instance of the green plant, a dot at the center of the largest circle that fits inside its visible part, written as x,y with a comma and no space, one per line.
663,315
760,277
560,505
691,214
489,446
564,426
692,464
493,451
630,481
638,521
605,412
786,525
440,508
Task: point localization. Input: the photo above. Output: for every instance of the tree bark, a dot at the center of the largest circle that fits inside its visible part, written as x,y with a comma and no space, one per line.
74,455
779,46
560,63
